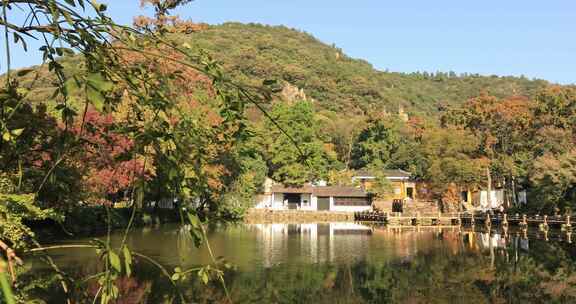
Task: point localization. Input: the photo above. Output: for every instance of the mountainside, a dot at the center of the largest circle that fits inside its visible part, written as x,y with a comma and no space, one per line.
252,53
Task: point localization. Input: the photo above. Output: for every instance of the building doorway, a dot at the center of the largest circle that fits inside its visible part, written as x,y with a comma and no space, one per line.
292,200
324,203
410,193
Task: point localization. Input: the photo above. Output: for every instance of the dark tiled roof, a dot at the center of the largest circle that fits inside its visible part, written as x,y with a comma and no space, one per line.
387,172
363,173
284,189
339,191
336,191
396,173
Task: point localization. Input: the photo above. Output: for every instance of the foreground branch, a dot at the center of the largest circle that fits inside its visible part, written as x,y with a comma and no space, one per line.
11,257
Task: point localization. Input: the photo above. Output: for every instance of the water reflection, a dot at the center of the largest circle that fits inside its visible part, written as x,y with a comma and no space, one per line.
348,263
313,243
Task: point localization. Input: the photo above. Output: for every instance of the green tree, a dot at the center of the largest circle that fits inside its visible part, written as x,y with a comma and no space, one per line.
298,156
377,143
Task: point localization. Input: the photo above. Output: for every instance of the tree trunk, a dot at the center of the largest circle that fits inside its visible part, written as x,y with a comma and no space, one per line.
349,154
507,192
514,196
489,182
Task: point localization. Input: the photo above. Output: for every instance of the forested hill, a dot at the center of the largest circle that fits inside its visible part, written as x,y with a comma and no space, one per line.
253,52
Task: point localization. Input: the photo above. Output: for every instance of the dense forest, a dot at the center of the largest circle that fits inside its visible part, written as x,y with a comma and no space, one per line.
252,53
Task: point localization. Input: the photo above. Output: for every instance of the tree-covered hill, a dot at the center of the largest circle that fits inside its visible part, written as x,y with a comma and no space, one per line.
252,53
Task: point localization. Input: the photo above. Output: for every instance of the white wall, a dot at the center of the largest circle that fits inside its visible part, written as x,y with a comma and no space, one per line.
333,207
496,197
350,208
522,197
314,204
311,202
264,201
278,201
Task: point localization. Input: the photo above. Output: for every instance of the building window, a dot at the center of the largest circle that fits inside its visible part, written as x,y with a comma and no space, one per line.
397,190
351,201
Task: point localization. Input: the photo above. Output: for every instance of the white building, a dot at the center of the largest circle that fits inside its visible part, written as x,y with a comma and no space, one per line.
313,197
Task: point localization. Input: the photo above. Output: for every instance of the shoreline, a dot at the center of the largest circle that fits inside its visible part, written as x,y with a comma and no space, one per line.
295,216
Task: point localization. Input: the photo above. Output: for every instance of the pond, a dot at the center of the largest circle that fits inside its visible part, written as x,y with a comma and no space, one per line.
334,263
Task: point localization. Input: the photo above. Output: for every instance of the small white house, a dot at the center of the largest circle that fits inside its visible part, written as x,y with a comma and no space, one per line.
313,197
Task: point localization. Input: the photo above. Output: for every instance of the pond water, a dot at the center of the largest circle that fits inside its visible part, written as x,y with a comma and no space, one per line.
334,263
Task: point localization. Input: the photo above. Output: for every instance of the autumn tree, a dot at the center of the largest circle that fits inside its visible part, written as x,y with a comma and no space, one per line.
450,165
134,97
503,128
552,171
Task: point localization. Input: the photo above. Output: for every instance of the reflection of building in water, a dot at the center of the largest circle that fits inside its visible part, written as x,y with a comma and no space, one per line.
407,242
346,242
315,243
487,240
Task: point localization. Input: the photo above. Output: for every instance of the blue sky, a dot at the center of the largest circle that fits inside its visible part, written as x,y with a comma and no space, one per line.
534,38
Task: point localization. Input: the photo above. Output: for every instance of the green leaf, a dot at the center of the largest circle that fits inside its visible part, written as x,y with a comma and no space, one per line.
70,2
203,276
96,87
194,220
62,51
96,98
17,132
175,277
127,260
23,72
98,6
6,287
71,85
114,261
18,38
99,82
7,136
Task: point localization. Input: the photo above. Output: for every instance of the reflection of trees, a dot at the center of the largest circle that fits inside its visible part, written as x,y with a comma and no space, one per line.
547,274
450,273
541,276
